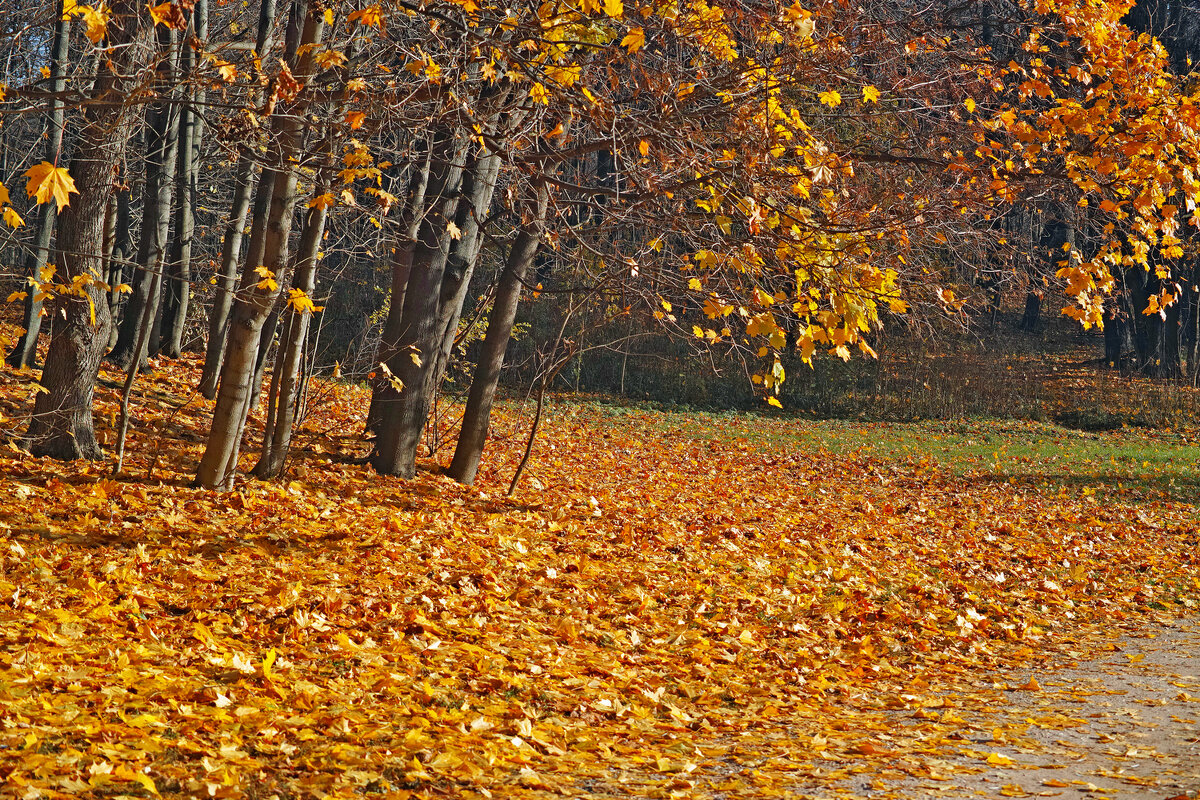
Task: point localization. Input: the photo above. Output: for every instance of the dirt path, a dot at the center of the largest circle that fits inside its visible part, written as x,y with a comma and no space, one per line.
1122,725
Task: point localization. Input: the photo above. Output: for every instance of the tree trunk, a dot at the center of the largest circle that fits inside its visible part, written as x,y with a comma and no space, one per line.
118,258
404,411
255,296
177,294
1112,335
24,353
286,378
1033,312
156,206
62,424
402,256
464,255
477,418
231,244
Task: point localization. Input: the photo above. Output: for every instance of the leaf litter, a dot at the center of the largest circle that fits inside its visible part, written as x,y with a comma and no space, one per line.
671,614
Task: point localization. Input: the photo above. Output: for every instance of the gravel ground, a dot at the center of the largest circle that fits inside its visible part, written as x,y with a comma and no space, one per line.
1122,725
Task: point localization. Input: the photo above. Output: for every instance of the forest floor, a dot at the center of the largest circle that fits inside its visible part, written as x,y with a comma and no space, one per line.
671,605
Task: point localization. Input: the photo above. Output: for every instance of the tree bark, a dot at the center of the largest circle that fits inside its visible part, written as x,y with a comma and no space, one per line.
24,352
177,294
62,424
477,417
162,135
402,256
286,378
405,410
256,296
231,244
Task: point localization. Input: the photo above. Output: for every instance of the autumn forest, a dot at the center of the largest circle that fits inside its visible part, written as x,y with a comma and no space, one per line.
598,398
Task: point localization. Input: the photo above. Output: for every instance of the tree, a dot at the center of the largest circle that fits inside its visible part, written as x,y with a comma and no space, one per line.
62,425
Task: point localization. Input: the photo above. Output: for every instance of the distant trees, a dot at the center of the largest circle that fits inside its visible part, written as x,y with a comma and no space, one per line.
769,179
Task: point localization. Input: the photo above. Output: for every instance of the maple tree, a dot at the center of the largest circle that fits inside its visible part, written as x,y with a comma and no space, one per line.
799,175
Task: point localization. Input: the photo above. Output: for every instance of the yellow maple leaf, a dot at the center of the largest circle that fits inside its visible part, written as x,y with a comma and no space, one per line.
831,98
167,13
614,8
331,58
371,16
48,182
227,71
870,94
322,201
970,104
634,40
12,219
95,20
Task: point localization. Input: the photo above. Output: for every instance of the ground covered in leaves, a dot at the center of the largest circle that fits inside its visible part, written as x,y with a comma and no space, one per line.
672,605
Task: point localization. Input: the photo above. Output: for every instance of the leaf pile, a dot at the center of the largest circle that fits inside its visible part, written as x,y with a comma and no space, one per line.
659,611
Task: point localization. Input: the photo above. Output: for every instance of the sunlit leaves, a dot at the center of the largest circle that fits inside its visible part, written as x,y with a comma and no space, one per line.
634,40
95,18
169,14
47,183
301,303
830,97
370,16
870,94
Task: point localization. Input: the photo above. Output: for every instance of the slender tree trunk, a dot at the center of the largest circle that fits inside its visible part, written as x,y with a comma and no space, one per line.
477,418
24,353
177,294
62,425
1112,336
402,256
118,259
286,378
404,411
255,297
464,255
162,140
231,244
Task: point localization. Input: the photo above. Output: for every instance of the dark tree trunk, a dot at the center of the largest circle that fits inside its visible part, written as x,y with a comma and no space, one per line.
1112,335
1031,319
477,418
162,140
24,353
464,255
402,257
62,424
256,298
405,409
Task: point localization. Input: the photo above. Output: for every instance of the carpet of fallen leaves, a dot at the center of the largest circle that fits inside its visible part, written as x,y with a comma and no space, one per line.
663,609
